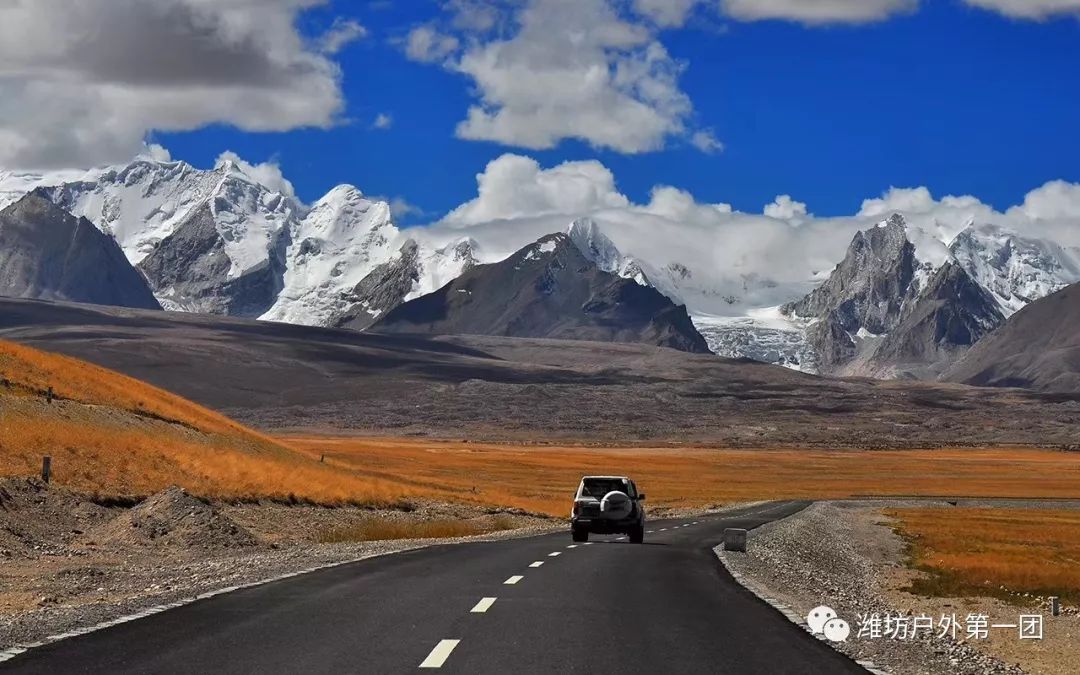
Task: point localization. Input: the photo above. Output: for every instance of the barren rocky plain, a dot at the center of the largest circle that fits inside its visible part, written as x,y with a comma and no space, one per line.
280,377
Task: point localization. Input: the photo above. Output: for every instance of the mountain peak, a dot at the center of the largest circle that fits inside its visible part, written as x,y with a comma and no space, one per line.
40,196
597,248
896,220
343,192
550,248
950,314
48,253
867,291
548,289
1016,269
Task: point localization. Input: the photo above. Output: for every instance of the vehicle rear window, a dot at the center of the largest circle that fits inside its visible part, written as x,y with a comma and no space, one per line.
598,487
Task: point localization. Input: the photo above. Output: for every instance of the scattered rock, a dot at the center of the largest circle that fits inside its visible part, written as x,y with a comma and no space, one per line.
41,519
174,518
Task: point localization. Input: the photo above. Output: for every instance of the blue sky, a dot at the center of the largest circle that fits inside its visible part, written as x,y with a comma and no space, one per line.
959,99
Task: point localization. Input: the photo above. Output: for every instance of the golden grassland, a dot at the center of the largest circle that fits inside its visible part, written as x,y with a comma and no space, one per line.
977,551
114,436
542,479
376,528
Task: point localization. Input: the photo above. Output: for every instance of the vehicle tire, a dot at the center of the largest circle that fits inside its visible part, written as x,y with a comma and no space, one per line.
637,535
579,535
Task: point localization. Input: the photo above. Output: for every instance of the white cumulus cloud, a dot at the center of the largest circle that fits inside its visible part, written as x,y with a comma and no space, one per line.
156,152
1056,200
84,82
513,186
427,45
341,33
666,13
403,208
1029,9
785,208
383,121
817,12
575,70
545,71
759,259
705,140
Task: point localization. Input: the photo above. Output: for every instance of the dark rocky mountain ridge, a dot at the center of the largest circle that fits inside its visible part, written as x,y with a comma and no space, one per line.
548,290
949,316
191,267
1037,348
885,313
47,253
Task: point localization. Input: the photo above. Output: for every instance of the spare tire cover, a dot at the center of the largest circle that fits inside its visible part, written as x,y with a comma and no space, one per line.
616,505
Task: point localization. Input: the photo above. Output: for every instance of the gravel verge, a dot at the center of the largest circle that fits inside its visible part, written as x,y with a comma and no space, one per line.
69,565
840,554
136,585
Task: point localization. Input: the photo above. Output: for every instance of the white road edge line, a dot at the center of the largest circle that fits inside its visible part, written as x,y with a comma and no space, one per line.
438,656
483,606
513,580
538,563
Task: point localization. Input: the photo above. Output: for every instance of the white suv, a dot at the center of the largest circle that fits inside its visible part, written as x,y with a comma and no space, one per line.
608,505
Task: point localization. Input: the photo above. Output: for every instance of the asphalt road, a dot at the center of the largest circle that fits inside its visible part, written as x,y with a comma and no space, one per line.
534,605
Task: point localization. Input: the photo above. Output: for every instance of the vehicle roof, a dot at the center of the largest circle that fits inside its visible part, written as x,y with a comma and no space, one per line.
606,477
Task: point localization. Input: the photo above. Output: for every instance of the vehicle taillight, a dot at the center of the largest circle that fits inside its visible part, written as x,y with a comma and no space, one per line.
577,508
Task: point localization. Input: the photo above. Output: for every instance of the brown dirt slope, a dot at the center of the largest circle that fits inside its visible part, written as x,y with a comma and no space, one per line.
173,518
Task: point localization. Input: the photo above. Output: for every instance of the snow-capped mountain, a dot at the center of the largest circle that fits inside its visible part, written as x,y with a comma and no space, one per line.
1017,270
222,241
219,241
762,334
951,313
337,243
143,202
597,248
903,304
206,240
699,289
412,271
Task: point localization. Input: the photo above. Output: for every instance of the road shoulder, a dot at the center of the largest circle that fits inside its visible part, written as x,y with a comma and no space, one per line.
846,556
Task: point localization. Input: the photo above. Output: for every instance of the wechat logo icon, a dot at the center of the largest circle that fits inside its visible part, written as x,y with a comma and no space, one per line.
823,620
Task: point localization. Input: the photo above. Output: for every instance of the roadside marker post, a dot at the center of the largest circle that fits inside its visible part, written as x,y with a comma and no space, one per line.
735,539
46,468
1055,606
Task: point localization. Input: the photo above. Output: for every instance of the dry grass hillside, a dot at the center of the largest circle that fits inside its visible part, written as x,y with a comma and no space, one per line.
114,436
